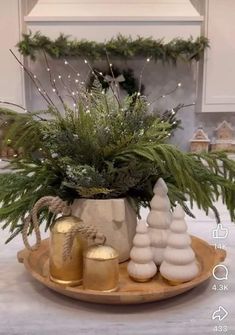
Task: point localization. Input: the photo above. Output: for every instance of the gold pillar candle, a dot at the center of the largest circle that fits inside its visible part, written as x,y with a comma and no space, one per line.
101,269
66,271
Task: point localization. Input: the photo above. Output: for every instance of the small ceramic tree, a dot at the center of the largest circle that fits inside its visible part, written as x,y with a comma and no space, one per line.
179,264
159,220
141,267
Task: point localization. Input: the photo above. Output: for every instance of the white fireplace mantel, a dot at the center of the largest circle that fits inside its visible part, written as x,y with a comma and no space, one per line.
102,19
113,10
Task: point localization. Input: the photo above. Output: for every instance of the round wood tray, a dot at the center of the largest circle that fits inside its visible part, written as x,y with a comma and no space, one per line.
129,292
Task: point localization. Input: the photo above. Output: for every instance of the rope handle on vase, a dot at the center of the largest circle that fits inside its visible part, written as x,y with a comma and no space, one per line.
55,205
89,232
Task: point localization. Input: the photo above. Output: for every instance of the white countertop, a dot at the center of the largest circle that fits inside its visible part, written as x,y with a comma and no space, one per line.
29,308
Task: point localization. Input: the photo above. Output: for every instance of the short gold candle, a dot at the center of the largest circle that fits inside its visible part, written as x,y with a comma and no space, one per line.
101,269
66,272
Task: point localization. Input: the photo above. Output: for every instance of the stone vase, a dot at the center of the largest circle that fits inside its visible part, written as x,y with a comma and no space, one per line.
115,218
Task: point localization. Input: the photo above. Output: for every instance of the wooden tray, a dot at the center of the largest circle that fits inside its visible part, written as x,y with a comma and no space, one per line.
129,292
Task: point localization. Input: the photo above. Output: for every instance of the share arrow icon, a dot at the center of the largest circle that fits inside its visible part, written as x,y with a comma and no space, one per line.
220,314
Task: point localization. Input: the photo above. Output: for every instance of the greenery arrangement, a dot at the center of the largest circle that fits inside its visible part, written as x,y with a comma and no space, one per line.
121,47
105,148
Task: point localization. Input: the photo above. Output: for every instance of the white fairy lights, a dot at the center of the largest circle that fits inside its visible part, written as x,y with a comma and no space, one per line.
163,96
75,80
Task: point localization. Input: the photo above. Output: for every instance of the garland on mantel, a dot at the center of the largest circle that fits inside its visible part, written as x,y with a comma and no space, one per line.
120,46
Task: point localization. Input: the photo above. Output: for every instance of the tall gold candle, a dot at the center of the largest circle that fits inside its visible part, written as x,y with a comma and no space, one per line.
101,269
67,271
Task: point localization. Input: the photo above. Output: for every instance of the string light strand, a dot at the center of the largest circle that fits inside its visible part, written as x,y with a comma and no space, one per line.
31,76
53,82
163,96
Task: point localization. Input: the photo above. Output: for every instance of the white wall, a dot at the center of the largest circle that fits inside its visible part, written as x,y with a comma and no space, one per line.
210,120
11,78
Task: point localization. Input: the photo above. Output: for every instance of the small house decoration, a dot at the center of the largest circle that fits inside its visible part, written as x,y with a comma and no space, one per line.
141,267
179,264
200,141
225,137
159,220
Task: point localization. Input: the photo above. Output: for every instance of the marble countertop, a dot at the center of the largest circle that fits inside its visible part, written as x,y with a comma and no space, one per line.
29,308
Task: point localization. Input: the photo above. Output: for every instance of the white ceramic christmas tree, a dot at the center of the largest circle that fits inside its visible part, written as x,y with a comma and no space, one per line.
179,264
141,267
159,220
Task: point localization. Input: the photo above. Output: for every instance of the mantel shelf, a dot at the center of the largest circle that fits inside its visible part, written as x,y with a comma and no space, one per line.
113,18
113,10
166,19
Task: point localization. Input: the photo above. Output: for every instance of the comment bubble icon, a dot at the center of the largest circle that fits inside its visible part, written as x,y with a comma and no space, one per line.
220,272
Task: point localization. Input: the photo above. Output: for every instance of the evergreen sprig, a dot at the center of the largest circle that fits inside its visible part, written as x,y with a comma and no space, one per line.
104,149
121,46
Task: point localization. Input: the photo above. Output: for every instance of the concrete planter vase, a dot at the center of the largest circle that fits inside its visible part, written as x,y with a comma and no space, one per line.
113,217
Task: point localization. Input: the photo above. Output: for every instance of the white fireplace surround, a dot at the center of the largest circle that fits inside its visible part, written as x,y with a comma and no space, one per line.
80,18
